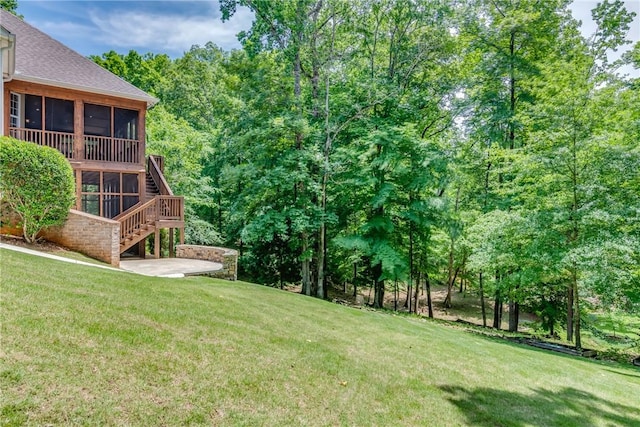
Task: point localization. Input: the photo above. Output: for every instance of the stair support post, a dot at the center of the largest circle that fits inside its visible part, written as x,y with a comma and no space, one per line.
142,248
156,246
171,248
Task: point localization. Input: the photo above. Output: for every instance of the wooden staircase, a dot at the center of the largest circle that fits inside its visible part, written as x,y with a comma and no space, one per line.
160,209
137,223
151,187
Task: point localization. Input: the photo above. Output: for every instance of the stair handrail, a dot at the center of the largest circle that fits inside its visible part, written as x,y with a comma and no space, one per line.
126,212
158,176
170,208
125,231
151,211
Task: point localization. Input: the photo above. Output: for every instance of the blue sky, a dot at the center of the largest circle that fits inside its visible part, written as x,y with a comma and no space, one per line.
172,27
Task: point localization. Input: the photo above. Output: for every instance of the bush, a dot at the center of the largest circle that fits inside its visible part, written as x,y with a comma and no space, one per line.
36,183
200,232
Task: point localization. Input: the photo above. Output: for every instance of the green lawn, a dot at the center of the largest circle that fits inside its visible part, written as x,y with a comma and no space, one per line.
82,345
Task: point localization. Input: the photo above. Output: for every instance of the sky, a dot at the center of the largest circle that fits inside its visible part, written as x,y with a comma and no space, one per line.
172,27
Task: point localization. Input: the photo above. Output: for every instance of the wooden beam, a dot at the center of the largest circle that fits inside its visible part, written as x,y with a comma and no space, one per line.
171,248
156,243
142,248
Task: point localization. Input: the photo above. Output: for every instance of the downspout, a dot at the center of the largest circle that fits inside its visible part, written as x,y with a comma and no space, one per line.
8,63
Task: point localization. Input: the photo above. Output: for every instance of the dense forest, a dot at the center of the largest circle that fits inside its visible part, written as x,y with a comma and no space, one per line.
402,144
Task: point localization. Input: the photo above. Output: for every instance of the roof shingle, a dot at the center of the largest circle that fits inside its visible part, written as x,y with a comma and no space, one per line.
41,59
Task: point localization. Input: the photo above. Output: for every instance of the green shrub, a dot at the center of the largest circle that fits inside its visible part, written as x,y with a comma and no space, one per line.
200,232
36,183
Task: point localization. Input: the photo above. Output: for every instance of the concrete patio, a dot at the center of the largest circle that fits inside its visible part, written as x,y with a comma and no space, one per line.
163,267
170,267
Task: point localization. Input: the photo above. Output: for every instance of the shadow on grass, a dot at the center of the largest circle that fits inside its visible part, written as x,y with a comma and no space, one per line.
622,373
484,406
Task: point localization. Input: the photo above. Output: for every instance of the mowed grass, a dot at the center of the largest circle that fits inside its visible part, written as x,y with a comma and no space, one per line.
82,345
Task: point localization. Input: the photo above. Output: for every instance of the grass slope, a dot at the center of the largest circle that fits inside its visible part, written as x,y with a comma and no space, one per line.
82,345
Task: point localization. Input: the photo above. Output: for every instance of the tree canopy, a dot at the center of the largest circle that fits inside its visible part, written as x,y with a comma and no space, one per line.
404,143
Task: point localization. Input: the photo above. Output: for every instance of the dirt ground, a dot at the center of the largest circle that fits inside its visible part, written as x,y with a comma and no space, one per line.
43,245
465,305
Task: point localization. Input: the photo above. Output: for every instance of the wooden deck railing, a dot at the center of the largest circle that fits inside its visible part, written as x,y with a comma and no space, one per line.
107,149
160,208
170,208
137,218
155,170
98,148
61,141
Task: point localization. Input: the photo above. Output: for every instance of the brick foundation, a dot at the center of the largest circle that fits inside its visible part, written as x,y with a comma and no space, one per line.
91,235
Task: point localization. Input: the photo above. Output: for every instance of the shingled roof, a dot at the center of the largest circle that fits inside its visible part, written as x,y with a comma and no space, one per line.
41,59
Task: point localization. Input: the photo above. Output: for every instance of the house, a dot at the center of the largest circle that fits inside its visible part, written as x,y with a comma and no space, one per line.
53,96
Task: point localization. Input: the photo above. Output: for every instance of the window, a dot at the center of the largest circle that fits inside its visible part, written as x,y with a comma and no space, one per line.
91,204
97,120
58,115
129,183
125,123
108,194
111,197
90,182
15,112
32,112
90,198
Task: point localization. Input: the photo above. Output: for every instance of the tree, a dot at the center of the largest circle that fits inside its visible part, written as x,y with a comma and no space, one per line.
292,29
10,5
506,44
148,72
579,171
36,183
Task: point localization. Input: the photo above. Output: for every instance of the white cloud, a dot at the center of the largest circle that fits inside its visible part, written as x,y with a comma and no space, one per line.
167,32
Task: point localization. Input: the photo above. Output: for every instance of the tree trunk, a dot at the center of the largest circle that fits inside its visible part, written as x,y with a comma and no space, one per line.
410,285
570,313
452,277
396,295
497,311
417,294
306,268
429,303
576,313
355,279
322,250
378,296
482,307
514,314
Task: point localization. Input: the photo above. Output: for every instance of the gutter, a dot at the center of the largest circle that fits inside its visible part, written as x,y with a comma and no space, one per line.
150,100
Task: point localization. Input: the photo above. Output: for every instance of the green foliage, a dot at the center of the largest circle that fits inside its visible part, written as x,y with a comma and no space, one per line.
391,140
200,232
148,72
9,5
36,183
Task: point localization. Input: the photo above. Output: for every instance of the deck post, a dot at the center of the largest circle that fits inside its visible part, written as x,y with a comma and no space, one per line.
182,235
156,245
78,131
171,248
142,248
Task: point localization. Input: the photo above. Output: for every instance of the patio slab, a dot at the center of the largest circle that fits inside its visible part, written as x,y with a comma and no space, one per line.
170,267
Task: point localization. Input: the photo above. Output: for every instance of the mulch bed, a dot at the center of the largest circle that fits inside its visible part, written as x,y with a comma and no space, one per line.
42,245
